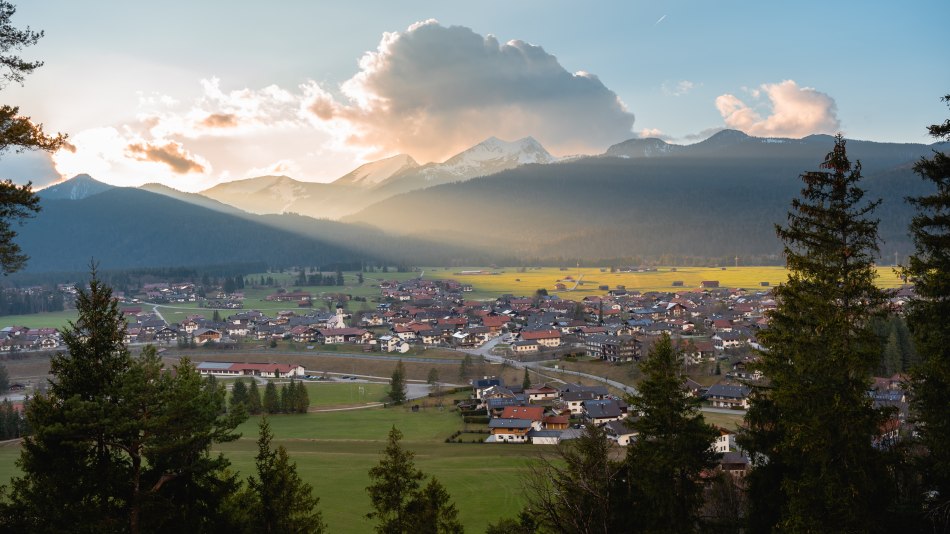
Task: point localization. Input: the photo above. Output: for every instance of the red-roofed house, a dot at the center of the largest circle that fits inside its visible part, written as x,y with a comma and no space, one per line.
547,338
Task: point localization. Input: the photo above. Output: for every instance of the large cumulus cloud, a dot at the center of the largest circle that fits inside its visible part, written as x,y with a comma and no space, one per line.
433,90
795,111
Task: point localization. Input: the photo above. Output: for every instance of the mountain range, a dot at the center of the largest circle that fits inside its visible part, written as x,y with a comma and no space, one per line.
497,201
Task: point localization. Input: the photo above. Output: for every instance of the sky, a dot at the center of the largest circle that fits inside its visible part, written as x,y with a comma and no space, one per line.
191,94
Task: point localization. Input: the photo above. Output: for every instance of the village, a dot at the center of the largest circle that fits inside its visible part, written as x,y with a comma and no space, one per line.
713,328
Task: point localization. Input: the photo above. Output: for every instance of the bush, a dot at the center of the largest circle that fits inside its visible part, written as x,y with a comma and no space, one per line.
476,419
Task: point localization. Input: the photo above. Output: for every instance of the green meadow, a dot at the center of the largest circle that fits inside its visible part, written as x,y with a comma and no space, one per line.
335,450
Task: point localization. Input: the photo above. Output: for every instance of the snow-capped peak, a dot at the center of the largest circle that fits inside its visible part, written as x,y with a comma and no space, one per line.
494,155
375,172
76,188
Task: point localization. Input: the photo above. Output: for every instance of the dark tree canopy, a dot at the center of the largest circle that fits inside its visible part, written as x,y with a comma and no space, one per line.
927,316
17,202
810,429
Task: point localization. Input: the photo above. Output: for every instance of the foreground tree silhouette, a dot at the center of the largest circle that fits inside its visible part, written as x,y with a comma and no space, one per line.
576,491
17,202
671,450
399,503
927,316
118,444
277,501
810,430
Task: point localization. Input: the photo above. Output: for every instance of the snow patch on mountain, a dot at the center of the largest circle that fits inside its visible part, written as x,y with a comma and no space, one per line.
76,188
376,172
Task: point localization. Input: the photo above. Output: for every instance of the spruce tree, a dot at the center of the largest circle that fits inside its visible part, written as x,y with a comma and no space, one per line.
810,429
117,443
286,397
271,398
254,404
397,384
927,317
400,503
277,500
526,382
671,450
302,398
239,395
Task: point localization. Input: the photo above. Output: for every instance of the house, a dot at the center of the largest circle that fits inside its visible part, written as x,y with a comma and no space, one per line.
524,347
544,437
613,348
725,441
725,396
509,430
344,335
600,412
574,400
535,414
543,393
556,422
545,338
480,385
265,370
206,335
620,432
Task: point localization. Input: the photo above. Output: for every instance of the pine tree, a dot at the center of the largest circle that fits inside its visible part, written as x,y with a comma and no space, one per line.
526,382
117,443
277,500
399,502
302,398
254,404
239,395
286,397
810,429
672,447
397,384
271,399
929,269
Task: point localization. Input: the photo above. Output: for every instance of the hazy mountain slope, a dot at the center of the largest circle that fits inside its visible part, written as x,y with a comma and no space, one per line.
717,198
128,227
192,198
280,194
373,173
76,188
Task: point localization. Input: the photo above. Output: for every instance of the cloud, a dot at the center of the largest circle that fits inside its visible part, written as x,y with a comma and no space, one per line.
679,88
432,91
220,120
171,154
795,111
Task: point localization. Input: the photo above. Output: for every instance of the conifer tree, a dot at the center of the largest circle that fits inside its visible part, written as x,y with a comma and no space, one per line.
271,398
286,397
810,429
400,503
118,444
927,316
302,398
671,449
239,395
397,384
526,382
254,404
277,501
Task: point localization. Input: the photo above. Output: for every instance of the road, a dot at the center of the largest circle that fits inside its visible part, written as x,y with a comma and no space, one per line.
536,367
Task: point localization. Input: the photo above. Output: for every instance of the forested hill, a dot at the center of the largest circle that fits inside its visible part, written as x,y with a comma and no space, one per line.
126,227
718,198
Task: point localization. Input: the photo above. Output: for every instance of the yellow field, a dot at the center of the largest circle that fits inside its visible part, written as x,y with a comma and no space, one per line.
526,283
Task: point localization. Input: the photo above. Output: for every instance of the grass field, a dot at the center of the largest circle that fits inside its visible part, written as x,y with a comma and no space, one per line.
334,452
526,283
